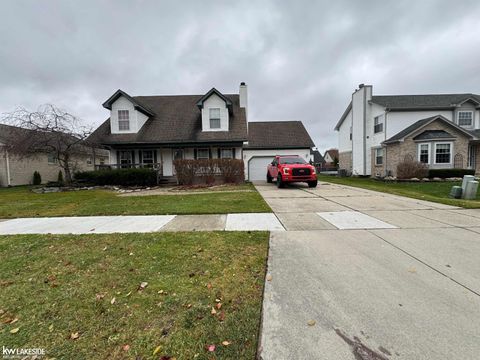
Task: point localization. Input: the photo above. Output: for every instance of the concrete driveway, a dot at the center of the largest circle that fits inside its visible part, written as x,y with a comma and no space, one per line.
403,282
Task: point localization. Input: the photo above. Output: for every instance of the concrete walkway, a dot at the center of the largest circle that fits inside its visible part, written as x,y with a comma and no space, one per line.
141,224
365,275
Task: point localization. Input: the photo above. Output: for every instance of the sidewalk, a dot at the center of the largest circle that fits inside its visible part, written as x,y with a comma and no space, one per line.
141,224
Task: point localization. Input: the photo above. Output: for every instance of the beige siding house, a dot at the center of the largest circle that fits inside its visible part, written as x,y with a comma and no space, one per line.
18,170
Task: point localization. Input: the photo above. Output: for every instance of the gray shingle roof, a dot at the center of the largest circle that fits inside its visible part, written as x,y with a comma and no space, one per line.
176,120
419,124
432,101
433,135
278,135
416,102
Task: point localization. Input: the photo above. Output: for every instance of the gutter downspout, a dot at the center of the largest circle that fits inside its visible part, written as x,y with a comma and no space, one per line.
9,183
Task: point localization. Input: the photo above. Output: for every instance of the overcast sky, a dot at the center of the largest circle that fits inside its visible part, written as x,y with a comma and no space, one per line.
301,60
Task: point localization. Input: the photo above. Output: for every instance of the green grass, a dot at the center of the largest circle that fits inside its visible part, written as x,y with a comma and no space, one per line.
21,202
60,285
430,191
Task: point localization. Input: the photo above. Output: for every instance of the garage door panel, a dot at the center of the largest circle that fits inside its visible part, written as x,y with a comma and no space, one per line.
257,167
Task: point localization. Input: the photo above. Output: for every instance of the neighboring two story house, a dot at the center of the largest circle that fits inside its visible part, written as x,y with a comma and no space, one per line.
376,133
153,131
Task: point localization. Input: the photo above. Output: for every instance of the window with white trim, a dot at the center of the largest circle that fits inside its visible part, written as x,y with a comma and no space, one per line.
378,124
203,154
123,120
125,159
443,153
379,156
424,153
214,118
147,158
89,160
465,118
226,153
51,158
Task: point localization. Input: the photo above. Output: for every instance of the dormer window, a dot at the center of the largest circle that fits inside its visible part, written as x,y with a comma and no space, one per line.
465,118
123,120
214,118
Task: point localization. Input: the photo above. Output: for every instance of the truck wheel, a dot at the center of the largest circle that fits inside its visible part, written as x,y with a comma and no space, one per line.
269,178
280,183
312,184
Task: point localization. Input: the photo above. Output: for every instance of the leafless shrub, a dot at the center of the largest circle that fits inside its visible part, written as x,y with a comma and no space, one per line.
411,169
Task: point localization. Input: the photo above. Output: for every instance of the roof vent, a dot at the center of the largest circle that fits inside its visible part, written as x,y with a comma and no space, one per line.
242,83
361,86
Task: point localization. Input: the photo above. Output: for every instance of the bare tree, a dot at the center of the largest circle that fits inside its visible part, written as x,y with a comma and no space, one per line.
49,130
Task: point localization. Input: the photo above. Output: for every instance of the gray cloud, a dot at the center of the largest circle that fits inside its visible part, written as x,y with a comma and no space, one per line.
301,59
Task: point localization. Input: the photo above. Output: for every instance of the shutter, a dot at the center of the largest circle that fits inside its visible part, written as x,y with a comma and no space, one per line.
218,153
154,156
209,153
195,154
118,158
133,156
233,153
140,156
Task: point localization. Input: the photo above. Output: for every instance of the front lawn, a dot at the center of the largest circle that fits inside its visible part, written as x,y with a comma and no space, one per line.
80,297
430,191
21,202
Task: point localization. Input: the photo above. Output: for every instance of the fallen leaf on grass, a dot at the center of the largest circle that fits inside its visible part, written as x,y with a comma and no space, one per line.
213,312
143,285
99,296
14,331
126,347
221,316
50,328
269,277
74,336
211,348
218,306
157,349
112,301
209,286
226,343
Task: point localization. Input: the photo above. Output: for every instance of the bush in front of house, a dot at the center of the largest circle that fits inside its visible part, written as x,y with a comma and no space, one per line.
37,178
449,173
411,169
121,177
60,177
209,171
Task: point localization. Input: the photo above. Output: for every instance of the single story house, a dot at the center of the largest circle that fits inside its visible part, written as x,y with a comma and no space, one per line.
18,170
152,131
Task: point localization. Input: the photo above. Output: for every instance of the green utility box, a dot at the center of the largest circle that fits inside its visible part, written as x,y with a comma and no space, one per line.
456,192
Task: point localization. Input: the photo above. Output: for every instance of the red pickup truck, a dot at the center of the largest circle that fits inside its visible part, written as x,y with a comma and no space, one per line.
287,169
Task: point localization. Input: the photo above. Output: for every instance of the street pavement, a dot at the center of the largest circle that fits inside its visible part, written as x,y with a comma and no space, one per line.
365,275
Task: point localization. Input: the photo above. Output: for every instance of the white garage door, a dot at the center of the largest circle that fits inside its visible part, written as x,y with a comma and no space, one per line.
257,167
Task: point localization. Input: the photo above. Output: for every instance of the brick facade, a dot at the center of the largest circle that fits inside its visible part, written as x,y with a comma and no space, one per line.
345,160
399,152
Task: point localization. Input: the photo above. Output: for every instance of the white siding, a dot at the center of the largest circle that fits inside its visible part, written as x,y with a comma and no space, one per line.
344,142
214,101
137,119
399,120
358,132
